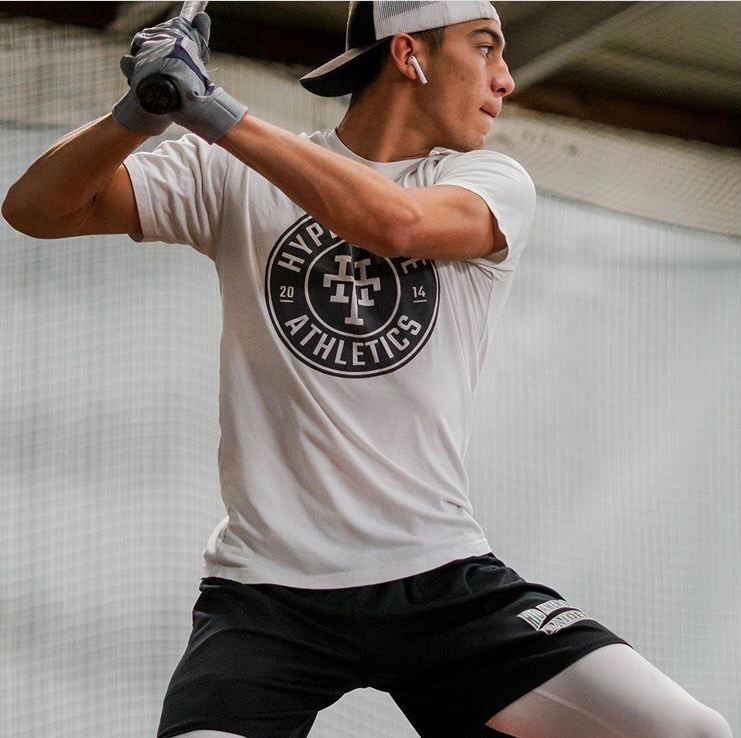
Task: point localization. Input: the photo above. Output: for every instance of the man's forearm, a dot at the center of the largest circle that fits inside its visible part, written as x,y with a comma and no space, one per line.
355,202
69,174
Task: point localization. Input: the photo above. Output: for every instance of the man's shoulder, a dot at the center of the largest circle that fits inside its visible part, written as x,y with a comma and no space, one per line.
480,157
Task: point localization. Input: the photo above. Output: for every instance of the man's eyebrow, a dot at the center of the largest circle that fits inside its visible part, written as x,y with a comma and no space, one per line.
496,39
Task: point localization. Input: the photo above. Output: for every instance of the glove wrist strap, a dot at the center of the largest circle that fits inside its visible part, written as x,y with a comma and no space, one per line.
130,114
210,117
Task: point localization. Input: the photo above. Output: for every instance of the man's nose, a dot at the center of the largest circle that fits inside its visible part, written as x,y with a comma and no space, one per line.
503,84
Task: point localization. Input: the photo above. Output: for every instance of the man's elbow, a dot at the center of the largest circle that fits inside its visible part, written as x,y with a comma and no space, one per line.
22,221
31,220
12,213
403,234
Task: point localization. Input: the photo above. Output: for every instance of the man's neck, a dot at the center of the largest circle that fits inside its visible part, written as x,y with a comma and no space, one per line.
382,132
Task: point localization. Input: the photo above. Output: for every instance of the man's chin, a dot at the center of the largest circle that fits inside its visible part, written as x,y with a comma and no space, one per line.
469,143
473,144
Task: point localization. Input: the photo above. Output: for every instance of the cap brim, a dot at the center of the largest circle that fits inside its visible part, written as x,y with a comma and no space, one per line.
338,75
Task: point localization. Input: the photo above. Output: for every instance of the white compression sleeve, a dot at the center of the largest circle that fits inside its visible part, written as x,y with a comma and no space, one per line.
612,692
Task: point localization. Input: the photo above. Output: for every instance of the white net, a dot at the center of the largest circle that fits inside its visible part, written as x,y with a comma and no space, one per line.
605,458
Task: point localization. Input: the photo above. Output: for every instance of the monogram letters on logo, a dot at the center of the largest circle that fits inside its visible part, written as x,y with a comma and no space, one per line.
343,310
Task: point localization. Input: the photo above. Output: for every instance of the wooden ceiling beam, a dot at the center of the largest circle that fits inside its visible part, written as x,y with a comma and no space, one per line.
563,32
697,124
260,39
91,14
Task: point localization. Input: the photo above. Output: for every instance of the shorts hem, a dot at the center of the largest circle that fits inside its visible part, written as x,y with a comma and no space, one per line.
202,725
504,697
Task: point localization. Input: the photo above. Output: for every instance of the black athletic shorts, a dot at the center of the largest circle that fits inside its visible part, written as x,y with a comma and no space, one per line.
452,646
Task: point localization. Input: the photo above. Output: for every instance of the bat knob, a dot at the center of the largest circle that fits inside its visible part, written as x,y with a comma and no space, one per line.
157,94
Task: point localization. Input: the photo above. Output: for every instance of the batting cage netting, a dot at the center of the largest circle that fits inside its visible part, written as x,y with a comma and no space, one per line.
605,459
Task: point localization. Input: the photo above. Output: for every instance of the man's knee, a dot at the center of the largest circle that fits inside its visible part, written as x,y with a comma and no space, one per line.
695,721
691,719
707,723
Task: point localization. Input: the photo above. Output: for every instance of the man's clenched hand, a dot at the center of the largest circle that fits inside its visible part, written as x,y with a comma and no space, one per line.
179,50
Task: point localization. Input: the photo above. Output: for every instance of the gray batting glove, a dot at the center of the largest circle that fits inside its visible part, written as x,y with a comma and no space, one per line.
148,47
179,50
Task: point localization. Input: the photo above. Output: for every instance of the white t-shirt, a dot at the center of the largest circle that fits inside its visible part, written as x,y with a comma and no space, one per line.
347,379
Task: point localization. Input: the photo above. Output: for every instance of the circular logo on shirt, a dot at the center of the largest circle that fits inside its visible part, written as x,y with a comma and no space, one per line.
343,310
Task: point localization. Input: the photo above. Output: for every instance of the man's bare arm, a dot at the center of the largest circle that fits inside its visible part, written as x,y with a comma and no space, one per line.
78,186
361,205
355,202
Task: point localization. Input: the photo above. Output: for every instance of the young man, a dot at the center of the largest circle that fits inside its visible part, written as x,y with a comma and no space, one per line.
362,275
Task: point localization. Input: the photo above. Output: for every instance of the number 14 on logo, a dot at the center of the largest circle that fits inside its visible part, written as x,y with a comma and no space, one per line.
419,294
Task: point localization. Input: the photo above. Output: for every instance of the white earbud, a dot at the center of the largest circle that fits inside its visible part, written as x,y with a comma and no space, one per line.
413,61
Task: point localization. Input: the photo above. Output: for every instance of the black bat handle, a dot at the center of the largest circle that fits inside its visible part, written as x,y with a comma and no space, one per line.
157,94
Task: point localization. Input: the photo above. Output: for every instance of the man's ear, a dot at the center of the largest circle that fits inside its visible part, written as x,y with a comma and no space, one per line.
402,47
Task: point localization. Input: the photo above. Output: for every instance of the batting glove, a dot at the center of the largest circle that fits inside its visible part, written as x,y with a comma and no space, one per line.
148,48
179,50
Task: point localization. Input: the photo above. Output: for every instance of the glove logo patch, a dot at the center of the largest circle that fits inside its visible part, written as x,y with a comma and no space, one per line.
344,310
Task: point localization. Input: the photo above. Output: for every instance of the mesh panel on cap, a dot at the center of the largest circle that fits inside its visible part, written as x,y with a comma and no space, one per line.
408,17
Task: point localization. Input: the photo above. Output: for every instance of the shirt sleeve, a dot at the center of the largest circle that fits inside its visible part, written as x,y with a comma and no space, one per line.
505,186
179,192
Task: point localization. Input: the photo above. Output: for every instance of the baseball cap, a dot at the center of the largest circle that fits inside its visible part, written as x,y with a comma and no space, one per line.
370,23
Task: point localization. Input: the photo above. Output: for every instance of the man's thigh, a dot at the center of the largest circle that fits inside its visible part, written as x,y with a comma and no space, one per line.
612,692
261,661
455,645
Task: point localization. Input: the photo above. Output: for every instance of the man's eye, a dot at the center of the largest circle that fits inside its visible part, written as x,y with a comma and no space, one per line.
488,48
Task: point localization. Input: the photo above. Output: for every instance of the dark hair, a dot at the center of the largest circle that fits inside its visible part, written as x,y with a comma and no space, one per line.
376,59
